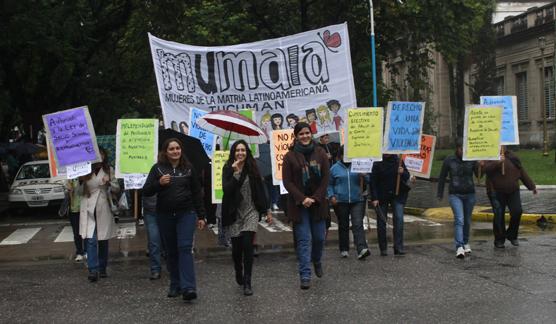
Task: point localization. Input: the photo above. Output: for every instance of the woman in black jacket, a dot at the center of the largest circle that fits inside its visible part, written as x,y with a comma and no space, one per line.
243,204
179,207
462,196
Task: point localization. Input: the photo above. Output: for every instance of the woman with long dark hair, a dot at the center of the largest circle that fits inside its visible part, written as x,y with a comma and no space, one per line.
243,205
179,207
305,173
96,222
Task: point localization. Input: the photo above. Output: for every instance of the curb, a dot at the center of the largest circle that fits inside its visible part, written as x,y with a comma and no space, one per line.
480,215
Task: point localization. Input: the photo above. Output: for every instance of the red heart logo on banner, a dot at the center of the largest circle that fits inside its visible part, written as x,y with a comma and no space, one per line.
333,40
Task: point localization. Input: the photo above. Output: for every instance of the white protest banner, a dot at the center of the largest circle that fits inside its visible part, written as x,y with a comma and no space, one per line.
303,77
413,164
362,165
77,170
134,180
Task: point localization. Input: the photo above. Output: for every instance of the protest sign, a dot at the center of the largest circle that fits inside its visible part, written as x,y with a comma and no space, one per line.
302,77
362,165
219,158
481,133
420,164
136,146
55,173
283,190
206,137
280,141
72,136
77,170
134,180
404,123
510,131
364,134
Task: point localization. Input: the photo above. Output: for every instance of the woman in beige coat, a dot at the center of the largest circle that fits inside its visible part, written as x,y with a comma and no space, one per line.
96,222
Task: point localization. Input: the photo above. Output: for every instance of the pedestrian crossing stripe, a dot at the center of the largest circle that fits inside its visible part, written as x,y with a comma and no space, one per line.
128,230
20,236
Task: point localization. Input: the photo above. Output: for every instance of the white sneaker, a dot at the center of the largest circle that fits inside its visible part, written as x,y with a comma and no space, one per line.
467,248
460,253
344,254
79,258
363,254
275,207
140,222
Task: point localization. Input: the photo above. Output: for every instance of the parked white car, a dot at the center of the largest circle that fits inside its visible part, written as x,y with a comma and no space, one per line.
33,186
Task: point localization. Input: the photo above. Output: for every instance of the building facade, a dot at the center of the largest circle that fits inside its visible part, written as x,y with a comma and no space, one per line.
525,51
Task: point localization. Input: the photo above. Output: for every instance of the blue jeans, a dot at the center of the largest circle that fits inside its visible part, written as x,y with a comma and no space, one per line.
309,237
153,237
176,230
357,212
97,253
397,208
462,207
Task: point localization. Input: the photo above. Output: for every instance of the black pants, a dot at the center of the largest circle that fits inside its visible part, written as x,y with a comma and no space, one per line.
242,253
77,240
499,202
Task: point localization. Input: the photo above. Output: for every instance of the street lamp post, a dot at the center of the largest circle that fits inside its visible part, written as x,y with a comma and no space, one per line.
373,56
542,44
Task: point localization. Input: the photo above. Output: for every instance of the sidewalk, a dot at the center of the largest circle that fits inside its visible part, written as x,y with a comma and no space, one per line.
423,202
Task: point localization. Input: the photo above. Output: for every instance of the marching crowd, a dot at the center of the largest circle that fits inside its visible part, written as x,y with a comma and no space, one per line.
316,179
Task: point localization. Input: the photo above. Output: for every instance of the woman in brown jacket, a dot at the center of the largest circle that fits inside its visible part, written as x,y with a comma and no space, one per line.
503,190
305,174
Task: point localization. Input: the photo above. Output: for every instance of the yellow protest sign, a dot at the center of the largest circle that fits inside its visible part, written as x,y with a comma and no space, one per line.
219,158
364,134
481,133
280,141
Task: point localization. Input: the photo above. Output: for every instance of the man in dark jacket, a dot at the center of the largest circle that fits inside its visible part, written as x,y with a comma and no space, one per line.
383,194
503,186
462,196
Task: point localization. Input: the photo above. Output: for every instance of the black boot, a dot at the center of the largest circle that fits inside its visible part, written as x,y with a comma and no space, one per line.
247,291
239,277
93,276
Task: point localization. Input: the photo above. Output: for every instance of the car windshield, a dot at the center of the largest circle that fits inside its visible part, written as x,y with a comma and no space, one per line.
33,171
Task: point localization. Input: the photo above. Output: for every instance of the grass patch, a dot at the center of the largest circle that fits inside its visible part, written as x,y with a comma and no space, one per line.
541,169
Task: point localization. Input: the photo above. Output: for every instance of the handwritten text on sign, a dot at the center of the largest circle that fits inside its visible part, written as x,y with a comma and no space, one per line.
403,127
206,138
510,133
71,136
280,141
364,133
77,170
362,165
482,133
137,145
219,158
421,164
134,181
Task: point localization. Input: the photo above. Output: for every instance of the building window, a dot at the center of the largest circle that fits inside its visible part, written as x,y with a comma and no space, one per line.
499,86
521,91
549,93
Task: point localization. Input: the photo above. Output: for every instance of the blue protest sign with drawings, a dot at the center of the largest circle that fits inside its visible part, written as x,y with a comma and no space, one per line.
204,136
509,134
404,125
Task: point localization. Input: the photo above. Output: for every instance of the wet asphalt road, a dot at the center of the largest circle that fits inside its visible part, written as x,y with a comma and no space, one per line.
513,285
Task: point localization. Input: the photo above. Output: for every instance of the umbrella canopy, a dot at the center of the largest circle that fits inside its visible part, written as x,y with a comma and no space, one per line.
192,148
232,125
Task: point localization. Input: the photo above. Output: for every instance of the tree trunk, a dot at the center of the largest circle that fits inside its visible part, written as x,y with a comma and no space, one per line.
460,94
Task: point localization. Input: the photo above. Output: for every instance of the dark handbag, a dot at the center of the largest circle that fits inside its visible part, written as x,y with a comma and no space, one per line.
64,207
